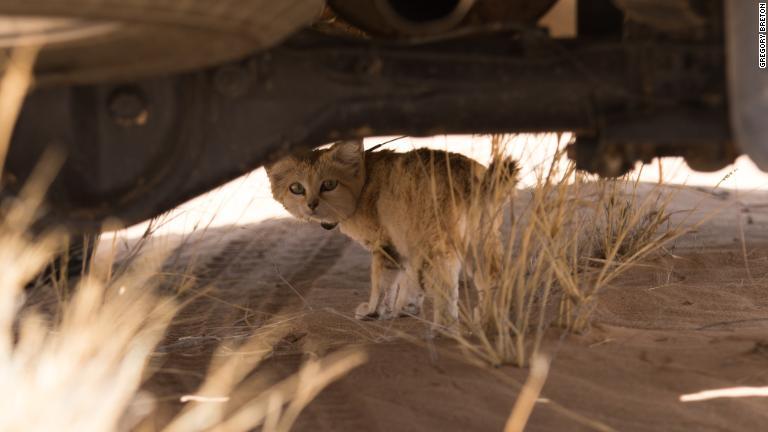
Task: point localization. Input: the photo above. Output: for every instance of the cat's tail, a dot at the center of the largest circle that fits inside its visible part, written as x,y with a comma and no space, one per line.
498,187
500,178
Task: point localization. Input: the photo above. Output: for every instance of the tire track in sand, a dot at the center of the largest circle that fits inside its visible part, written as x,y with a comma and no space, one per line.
252,275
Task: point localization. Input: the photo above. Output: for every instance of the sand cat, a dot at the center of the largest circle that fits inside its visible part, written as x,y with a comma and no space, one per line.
414,211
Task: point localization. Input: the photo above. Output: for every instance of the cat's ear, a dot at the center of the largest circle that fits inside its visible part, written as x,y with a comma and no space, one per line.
348,152
270,168
277,170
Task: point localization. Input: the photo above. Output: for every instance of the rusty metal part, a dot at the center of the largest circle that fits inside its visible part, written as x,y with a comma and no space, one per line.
699,99
672,16
128,107
701,136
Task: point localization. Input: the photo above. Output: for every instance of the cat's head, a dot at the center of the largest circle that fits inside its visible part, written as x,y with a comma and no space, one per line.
321,185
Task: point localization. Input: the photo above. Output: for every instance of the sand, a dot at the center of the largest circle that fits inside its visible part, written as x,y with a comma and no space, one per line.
692,318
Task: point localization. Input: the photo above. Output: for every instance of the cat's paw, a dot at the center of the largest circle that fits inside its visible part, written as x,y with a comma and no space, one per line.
363,312
411,309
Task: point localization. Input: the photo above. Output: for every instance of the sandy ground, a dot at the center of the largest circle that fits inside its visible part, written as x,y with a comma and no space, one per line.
690,319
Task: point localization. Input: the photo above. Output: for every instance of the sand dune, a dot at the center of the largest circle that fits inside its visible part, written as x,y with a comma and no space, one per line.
692,318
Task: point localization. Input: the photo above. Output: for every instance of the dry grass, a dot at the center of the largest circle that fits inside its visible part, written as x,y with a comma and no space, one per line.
80,372
83,370
625,222
574,237
80,366
529,394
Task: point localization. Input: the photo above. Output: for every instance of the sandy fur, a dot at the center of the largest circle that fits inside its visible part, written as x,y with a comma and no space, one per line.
414,211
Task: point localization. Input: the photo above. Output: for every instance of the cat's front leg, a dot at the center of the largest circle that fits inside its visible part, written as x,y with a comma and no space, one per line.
382,302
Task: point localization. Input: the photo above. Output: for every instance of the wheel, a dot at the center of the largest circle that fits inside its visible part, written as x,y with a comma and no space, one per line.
91,41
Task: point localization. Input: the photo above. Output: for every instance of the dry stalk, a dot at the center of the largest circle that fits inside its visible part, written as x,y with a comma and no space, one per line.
575,236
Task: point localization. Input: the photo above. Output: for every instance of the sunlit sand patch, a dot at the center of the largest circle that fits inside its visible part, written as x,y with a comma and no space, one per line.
729,392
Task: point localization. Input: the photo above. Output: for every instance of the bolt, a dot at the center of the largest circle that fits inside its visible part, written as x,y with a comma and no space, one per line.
128,107
232,81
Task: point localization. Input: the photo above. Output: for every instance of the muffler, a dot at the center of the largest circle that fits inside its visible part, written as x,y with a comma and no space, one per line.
404,18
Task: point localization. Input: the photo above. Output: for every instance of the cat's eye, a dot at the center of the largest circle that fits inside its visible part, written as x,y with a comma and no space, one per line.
296,189
329,185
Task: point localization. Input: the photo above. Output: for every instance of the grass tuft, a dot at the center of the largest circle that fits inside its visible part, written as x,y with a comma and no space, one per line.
575,235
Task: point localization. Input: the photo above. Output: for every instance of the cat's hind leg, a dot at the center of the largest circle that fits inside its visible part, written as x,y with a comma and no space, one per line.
484,268
410,295
439,278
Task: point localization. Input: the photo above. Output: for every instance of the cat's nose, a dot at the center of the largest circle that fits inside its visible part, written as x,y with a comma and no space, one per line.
313,204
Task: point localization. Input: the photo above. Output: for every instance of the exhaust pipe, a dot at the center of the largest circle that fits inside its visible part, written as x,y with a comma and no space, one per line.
424,17
403,18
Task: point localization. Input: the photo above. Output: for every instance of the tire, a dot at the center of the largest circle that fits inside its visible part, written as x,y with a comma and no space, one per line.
91,41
